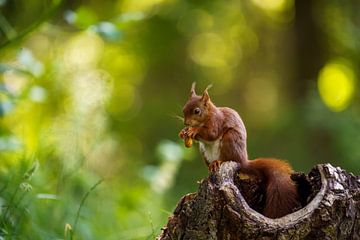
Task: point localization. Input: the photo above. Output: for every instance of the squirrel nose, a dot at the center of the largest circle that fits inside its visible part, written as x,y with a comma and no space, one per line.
186,122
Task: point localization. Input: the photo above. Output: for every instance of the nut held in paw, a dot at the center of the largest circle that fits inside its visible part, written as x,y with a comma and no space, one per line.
188,142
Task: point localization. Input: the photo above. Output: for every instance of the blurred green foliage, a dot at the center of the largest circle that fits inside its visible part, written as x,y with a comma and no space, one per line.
90,90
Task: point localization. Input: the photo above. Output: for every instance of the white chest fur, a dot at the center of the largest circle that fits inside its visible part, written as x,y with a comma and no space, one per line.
210,150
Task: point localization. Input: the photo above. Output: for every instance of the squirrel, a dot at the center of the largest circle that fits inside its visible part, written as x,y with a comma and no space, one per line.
222,136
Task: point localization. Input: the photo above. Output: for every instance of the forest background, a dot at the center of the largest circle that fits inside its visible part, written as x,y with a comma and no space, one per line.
90,92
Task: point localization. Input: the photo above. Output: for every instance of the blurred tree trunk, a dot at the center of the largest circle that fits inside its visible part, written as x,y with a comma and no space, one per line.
219,211
309,48
311,54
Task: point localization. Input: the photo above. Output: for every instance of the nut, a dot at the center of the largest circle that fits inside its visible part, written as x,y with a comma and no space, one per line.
188,142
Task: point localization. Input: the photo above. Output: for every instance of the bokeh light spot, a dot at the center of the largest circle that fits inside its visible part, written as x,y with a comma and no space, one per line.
336,84
91,90
83,51
208,49
37,94
273,5
140,5
15,83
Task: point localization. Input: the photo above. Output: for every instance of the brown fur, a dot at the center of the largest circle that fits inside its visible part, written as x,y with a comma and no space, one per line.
281,193
213,123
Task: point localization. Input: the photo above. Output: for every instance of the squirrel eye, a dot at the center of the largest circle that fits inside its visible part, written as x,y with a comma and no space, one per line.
197,111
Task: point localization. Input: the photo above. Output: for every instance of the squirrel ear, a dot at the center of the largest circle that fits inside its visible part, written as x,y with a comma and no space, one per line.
192,90
205,97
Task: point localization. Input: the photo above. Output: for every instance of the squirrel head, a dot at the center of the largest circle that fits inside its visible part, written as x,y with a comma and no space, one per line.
198,109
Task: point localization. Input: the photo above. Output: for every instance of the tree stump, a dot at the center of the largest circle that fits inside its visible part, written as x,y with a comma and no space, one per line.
331,209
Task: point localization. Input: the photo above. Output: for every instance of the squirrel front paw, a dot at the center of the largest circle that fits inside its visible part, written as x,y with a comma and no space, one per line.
192,132
183,133
188,134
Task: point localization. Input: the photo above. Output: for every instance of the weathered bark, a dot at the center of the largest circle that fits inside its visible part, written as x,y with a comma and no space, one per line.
219,211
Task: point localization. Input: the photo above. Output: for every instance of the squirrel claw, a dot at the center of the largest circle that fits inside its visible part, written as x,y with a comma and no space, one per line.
215,165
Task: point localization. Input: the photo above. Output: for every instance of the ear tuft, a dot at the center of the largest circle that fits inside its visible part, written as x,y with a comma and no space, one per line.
192,90
205,97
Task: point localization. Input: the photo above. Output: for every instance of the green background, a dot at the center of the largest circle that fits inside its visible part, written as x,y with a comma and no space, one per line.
91,92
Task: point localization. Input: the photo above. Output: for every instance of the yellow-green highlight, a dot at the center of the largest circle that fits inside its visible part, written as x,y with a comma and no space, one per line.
336,85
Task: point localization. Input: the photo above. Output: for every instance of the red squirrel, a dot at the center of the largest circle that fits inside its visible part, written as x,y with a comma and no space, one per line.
222,137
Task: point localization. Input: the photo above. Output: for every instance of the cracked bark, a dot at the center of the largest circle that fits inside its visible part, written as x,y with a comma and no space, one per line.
218,210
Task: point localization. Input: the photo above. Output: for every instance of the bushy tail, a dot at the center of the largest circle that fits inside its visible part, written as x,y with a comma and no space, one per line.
281,193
